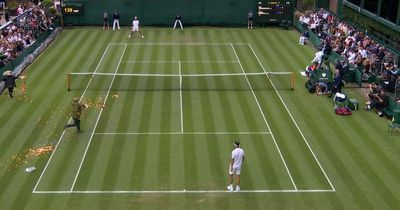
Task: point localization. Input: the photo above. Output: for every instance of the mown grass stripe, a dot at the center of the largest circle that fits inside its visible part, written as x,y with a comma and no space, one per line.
9,113
35,133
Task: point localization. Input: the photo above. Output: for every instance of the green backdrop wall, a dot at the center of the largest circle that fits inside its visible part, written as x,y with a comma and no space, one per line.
162,12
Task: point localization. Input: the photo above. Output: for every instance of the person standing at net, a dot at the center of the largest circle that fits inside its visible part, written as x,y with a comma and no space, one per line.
76,113
178,19
116,20
9,82
135,27
250,20
105,20
235,166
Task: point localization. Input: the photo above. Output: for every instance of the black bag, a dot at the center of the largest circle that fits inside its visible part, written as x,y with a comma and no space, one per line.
310,87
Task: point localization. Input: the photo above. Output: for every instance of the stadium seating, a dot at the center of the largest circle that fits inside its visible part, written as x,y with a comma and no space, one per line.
395,124
21,34
393,107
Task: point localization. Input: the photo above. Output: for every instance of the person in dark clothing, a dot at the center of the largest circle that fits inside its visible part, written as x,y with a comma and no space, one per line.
337,82
339,66
76,113
9,82
178,20
327,49
7,16
379,101
250,20
381,54
116,20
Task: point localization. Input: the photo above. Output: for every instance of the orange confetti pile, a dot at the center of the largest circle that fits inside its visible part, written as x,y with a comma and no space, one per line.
114,95
96,103
24,157
37,152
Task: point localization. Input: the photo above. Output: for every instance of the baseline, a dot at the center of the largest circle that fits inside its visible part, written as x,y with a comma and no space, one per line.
182,191
177,43
185,133
173,61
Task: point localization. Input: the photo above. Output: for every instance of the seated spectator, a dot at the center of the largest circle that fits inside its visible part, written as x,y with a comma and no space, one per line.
310,69
321,88
20,10
304,37
355,46
20,33
337,82
379,101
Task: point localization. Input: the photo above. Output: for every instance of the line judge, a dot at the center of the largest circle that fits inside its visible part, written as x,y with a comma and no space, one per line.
178,19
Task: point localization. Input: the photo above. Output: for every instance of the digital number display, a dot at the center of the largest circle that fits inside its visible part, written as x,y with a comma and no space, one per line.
275,11
72,9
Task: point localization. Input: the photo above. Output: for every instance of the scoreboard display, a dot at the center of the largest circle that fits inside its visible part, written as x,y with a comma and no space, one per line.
72,9
278,11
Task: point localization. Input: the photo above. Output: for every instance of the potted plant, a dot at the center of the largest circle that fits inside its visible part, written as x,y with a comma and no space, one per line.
11,7
47,3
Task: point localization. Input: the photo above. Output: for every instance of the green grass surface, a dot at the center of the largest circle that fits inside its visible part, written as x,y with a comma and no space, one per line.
154,139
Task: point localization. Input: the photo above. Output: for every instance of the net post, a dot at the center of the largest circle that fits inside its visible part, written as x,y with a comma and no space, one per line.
292,82
69,81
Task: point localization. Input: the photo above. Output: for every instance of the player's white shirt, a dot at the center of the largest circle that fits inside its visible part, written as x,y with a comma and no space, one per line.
135,25
237,156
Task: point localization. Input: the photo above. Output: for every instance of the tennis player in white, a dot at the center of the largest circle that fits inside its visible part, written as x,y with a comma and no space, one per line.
135,27
235,165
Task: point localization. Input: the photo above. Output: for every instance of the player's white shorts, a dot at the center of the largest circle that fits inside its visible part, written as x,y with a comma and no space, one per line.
234,170
135,29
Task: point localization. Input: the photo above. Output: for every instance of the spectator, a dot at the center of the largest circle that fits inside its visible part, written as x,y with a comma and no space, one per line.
304,37
337,82
20,33
20,10
6,16
379,102
355,46
321,88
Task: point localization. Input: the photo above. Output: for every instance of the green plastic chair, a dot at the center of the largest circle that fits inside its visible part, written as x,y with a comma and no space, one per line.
395,124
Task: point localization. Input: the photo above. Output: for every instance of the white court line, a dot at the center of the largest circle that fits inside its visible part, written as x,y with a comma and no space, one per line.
172,61
178,191
186,133
177,43
97,121
180,94
294,121
63,133
265,120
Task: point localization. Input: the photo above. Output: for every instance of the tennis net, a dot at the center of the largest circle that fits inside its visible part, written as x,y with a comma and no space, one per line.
149,82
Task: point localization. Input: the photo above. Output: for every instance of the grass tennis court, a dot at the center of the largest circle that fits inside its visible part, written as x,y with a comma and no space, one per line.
174,103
